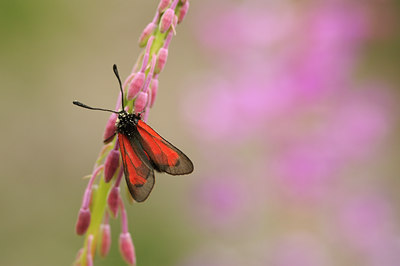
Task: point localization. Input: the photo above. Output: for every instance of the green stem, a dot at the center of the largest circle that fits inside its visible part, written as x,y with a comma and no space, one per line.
99,207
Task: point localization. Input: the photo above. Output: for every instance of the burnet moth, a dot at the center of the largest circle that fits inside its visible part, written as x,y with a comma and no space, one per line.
143,150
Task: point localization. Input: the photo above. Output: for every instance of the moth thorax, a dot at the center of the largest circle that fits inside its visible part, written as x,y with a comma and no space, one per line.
126,123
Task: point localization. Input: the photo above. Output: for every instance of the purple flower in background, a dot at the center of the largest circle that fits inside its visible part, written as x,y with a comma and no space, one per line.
234,109
221,201
255,84
349,130
367,224
366,221
300,250
361,122
254,26
281,99
304,172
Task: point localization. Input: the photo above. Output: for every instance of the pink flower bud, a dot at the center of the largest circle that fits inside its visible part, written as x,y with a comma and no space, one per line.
163,5
127,249
183,11
166,20
174,23
105,239
145,115
162,57
147,32
109,132
78,257
112,201
83,222
141,102
92,196
89,260
90,251
136,85
111,165
154,89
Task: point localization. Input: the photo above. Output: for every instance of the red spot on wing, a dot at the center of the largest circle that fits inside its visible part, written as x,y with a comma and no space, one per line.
158,149
134,168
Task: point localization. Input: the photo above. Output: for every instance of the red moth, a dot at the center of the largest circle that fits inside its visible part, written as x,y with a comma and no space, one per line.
143,151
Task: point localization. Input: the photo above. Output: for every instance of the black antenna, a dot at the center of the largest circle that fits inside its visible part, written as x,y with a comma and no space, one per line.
92,108
120,86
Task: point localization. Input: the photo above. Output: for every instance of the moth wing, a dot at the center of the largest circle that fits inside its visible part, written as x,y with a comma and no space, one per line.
139,175
164,156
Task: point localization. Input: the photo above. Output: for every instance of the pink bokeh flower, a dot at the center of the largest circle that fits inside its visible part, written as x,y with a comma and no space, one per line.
300,250
281,97
221,201
366,222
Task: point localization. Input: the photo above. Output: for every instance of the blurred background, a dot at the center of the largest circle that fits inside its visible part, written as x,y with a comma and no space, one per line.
289,110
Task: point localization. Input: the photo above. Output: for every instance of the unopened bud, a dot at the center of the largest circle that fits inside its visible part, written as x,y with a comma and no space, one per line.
83,222
111,165
162,57
89,251
127,249
141,102
112,201
147,32
166,20
154,89
78,257
136,85
109,132
174,23
93,192
163,5
89,260
105,239
183,11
